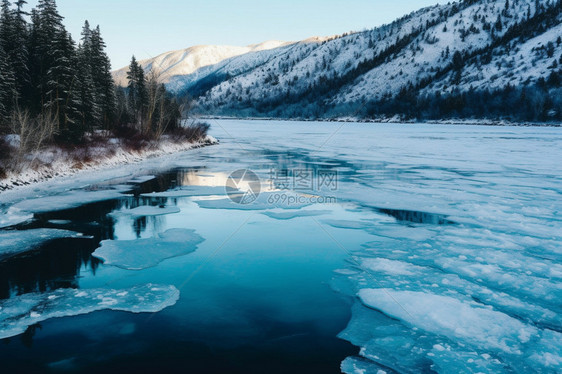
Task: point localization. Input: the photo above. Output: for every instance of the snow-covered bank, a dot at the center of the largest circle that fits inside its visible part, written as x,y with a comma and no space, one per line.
58,163
397,119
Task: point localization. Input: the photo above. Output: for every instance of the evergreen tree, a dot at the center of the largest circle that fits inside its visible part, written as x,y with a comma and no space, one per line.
7,87
138,95
89,111
19,56
102,78
6,26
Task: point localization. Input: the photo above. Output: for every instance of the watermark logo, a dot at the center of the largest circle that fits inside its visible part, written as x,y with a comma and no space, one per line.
287,187
303,180
243,186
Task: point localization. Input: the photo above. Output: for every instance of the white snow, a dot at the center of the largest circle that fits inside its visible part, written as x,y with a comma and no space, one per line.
58,164
187,64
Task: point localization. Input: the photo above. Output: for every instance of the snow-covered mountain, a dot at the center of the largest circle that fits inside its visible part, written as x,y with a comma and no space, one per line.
179,69
433,60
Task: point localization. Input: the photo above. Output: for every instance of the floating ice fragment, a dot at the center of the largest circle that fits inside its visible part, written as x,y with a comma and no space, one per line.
266,200
20,312
292,215
142,179
145,211
188,192
13,216
145,253
15,242
68,200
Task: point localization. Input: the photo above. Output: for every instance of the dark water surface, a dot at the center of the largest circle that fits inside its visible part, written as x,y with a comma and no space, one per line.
256,302
436,250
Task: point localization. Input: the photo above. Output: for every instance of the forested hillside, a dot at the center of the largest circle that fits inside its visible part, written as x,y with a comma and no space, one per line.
58,93
473,58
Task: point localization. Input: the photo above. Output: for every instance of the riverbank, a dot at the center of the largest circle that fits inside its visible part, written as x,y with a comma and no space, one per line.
54,162
398,119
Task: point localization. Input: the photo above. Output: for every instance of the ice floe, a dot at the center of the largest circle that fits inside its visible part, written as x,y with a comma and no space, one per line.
20,312
282,216
13,216
142,179
146,211
448,316
265,201
188,192
68,200
16,242
145,253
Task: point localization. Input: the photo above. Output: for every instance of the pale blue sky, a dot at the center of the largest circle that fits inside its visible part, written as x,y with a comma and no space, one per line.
147,28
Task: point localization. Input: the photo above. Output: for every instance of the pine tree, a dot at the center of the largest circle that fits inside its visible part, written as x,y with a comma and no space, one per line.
61,86
138,95
53,74
102,78
19,56
7,87
46,32
89,111
6,25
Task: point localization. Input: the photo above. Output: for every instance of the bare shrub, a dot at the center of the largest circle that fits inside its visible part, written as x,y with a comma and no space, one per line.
192,133
132,138
5,156
34,132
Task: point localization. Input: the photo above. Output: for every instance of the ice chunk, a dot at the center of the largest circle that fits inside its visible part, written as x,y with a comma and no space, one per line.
142,179
13,216
358,365
347,224
266,200
188,192
16,242
145,211
144,253
391,267
67,200
18,313
291,215
451,317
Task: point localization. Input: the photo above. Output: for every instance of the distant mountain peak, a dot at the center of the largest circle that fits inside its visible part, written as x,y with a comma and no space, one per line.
423,64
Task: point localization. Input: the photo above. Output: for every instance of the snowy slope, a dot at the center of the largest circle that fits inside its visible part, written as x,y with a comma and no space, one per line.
456,47
191,64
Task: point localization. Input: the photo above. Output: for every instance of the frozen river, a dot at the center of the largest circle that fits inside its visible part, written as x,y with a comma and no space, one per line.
295,247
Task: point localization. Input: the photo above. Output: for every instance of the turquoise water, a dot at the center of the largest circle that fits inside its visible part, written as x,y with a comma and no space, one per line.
412,224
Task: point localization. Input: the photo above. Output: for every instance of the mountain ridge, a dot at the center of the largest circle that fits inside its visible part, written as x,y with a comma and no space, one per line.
446,60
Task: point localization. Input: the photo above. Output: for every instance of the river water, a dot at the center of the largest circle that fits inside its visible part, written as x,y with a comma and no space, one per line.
298,247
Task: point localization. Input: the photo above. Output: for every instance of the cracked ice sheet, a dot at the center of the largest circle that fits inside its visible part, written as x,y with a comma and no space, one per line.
448,316
145,253
15,242
18,313
464,333
68,200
